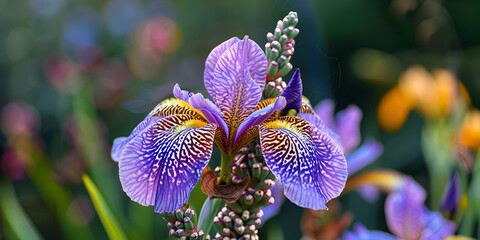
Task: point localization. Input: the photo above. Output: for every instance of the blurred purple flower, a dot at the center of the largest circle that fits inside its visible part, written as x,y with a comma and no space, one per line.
20,118
80,29
345,129
408,218
13,165
162,159
362,233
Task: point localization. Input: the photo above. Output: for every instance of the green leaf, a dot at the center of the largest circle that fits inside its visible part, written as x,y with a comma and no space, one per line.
106,216
209,211
14,216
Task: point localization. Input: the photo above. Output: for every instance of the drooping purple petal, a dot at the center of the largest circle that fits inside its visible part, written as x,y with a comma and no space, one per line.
256,62
364,155
272,210
260,116
437,227
308,162
348,127
325,110
293,92
404,210
317,121
161,165
119,143
362,233
236,93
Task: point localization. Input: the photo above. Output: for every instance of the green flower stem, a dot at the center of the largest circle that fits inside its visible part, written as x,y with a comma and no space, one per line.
438,158
472,212
225,175
209,211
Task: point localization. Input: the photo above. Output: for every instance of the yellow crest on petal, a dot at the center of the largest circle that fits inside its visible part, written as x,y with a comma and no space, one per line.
173,106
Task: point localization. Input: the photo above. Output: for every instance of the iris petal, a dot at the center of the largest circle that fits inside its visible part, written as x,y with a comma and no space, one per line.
437,227
260,116
318,122
362,233
162,165
325,109
308,162
209,110
293,92
362,156
196,101
404,210
181,94
119,143
211,62
257,65
236,92
348,127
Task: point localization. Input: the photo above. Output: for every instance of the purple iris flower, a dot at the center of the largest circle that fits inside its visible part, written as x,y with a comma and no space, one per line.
345,129
162,159
408,218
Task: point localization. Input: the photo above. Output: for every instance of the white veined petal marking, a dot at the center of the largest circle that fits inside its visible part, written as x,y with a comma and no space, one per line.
172,153
307,161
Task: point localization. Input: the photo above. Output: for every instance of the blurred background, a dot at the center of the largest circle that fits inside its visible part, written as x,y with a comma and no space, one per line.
77,74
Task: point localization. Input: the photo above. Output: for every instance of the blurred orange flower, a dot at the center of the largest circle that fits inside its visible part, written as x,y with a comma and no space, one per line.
433,94
469,133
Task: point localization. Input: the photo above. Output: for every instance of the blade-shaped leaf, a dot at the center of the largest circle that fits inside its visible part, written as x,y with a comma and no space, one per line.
108,220
14,216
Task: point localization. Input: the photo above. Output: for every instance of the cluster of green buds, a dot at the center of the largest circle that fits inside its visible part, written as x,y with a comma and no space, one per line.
279,50
182,224
241,219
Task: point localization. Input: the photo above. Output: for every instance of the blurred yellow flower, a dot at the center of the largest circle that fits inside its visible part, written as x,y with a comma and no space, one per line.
433,94
470,130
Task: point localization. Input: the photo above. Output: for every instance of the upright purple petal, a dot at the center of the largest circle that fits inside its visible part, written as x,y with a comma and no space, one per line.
325,110
161,165
256,64
119,143
404,210
211,62
451,199
260,116
362,233
348,127
293,92
308,162
235,91
364,155
437,227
